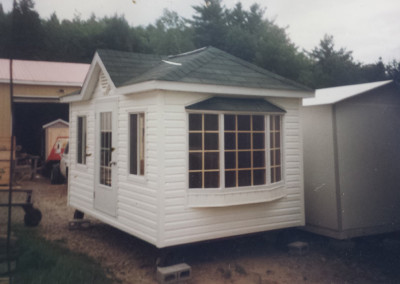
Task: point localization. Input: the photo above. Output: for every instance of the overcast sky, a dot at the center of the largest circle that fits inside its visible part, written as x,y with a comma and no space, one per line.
369,28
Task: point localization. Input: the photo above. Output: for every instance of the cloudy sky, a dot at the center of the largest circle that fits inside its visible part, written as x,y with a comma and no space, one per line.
369,28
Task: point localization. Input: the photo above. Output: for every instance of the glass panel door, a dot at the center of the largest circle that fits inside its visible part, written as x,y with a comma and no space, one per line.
105,148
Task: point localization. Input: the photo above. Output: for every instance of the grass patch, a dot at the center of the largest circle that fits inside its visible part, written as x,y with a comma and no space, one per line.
41,262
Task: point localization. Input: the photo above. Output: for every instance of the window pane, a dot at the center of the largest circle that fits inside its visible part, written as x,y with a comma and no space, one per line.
258,122
259,177
277,140
258,141
195,121
230,141
141,139
276,174
230,160
271,141
277,122
258,159
106,140
195,180
211,161
272,122
133,145
277,157
211,122
244,160
195,162
211,141
195,141
230,179
81,140
211,179
244,178
243,122
244,140
105,148
229,122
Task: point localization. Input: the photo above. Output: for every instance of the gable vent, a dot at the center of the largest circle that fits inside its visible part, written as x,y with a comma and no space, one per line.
105,86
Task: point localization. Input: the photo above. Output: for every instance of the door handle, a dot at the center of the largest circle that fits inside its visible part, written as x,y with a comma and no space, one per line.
112,163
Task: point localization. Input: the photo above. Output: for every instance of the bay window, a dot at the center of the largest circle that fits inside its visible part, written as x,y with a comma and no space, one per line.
228,150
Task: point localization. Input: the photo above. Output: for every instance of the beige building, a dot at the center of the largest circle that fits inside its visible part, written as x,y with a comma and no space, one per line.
37,87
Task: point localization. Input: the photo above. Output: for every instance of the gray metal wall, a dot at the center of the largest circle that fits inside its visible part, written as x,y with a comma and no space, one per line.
368,137
319,169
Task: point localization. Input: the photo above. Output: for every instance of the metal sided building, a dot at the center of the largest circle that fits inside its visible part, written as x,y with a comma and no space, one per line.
186,148
352,160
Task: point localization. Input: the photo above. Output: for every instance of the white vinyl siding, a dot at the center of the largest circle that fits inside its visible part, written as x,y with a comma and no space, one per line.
155,206
184,224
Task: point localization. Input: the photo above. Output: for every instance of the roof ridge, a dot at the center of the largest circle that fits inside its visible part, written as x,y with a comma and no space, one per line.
192,68
187,53
260,69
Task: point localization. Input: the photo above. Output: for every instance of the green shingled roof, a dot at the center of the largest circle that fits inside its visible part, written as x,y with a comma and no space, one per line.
203,66
234,104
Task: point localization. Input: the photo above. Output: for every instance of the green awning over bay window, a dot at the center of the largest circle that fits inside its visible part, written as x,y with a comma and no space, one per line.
236,105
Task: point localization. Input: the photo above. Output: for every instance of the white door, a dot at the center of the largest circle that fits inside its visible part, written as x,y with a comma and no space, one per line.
105,195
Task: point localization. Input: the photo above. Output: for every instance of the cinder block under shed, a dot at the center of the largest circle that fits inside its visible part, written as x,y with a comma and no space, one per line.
298,248
174,274
78,224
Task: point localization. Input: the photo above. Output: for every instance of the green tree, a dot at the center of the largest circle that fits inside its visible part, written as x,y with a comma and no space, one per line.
170,35
5,31
393,70
27,33
374,72
209,24
333,67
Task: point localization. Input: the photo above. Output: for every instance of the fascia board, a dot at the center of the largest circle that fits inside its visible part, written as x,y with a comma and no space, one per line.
71,98
30,99
213,89
329,96
55,122
90,81
42,83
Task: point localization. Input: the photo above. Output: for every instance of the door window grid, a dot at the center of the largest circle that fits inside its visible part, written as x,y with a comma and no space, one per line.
275,148
203,151
244,150
105,147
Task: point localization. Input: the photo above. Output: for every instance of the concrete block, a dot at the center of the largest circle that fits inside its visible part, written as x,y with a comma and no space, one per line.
78,224
298,248
174,274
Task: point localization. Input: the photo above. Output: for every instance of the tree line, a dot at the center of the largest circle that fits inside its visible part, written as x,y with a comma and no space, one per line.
246,34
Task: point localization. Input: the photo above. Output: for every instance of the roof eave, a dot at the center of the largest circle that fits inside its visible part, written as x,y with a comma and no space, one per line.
316,102
42,83
90,81
213,89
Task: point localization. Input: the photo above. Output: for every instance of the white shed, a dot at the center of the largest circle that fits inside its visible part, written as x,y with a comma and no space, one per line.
352,160
186,148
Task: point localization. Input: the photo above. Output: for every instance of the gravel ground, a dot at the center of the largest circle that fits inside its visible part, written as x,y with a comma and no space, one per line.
261,258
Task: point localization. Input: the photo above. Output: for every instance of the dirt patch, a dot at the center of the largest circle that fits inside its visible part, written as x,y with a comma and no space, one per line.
261,258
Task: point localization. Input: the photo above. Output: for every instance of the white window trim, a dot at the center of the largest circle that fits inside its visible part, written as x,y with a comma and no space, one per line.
132,177
222,197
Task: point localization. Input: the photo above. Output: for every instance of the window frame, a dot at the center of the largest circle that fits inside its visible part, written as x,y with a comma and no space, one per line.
267,132
140,144
81,148
203,151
